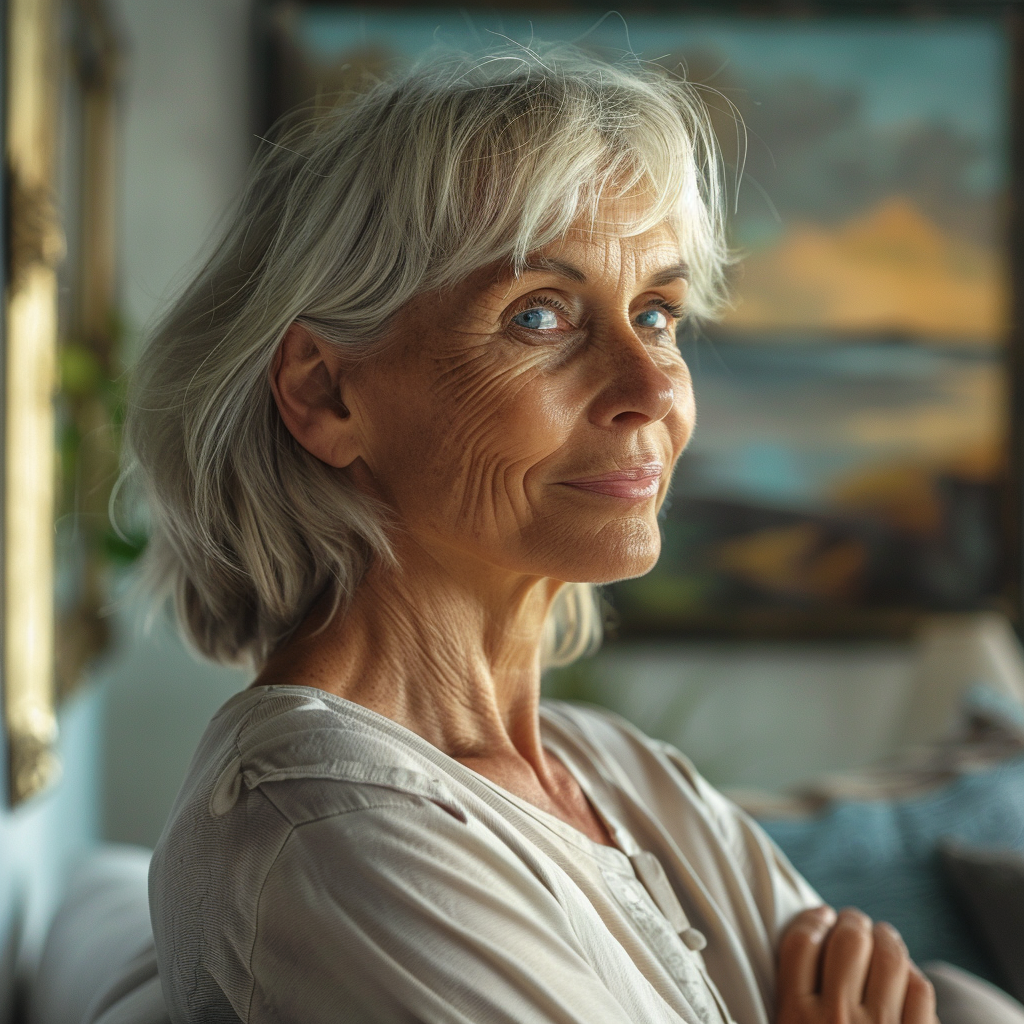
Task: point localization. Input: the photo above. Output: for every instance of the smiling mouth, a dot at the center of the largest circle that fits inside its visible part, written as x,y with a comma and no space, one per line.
634,484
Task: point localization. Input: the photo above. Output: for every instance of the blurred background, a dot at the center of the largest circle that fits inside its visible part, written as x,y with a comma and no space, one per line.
841,556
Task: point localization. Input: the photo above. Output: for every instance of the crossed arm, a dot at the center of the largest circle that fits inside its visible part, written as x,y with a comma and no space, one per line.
454,930
844,969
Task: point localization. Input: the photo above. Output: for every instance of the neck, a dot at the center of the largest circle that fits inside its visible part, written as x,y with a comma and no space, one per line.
451,656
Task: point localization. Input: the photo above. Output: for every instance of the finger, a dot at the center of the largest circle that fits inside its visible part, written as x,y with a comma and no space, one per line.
800,952
919,1004
886,987
845,964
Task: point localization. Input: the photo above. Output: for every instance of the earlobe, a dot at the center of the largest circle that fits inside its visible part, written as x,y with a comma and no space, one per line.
307,379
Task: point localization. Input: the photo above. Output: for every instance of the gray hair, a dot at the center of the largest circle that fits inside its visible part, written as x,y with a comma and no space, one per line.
405,188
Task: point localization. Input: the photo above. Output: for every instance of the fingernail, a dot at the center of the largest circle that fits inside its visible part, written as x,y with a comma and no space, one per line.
821,924
852,917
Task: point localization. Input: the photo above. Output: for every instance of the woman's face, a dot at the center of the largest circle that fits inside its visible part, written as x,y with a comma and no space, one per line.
531,423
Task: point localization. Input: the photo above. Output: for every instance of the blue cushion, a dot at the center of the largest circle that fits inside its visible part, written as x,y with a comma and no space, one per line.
881,856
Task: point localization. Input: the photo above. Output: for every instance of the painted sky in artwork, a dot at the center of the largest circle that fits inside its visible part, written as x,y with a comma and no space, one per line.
794,425
905,71
891,270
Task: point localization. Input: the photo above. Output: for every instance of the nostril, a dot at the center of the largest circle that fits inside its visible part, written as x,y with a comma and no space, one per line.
643,403
626,417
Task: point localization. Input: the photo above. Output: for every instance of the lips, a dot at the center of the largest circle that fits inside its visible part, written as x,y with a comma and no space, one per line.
635,483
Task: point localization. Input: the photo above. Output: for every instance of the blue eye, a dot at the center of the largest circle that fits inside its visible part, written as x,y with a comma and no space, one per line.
536,319
653,318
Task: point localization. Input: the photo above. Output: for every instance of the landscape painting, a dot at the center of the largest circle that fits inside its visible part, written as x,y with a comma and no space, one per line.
849,468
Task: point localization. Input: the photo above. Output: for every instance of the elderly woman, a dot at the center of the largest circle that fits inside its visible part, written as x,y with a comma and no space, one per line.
424,395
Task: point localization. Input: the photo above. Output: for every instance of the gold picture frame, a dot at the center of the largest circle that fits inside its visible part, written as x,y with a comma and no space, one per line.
34,247
64,351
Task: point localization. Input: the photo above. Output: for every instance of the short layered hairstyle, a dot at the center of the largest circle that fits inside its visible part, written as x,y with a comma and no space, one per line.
406,187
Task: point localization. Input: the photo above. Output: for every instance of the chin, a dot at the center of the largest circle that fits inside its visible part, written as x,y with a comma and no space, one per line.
620,554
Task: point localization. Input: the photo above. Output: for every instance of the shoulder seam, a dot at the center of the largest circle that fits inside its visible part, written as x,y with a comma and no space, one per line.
377,806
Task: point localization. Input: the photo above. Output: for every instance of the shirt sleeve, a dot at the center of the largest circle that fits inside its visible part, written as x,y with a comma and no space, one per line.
404,913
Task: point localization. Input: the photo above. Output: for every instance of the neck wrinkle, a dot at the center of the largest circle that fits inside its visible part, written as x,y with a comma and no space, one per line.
452,659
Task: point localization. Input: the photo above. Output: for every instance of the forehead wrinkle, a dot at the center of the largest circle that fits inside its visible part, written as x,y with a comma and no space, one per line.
540,263
628,258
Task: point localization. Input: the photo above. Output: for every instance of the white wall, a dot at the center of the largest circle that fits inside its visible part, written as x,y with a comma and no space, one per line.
159,700
187,138
763,715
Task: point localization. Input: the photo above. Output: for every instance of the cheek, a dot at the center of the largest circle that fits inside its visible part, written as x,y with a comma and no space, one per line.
494,409
470,436
504,424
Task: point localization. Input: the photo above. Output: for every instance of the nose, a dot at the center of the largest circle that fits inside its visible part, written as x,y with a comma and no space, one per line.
636,390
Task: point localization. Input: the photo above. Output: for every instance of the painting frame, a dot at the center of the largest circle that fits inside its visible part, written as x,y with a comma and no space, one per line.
819,623
34,245
50,46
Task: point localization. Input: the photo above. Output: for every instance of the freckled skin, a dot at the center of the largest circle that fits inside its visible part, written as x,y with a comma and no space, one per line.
467,425
471,439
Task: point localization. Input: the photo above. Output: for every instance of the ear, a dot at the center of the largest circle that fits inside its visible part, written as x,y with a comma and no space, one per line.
306,378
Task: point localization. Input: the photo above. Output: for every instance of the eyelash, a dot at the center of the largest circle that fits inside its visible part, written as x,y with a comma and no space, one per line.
541,300
674,310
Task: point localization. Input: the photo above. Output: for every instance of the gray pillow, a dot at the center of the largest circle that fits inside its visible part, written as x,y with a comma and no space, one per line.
98,964
961,998
990,886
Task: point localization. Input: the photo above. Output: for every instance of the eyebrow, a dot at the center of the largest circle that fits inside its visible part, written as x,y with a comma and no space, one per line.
540,264
676,272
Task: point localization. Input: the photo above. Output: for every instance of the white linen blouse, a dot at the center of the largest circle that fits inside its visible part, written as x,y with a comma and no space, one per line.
324,864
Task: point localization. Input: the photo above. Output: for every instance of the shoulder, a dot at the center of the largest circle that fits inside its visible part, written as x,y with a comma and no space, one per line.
270,767
296,734
277,751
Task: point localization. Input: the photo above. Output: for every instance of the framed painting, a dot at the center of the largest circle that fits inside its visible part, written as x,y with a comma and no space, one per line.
856,463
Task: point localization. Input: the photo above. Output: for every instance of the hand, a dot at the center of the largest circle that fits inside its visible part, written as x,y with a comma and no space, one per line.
843,969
